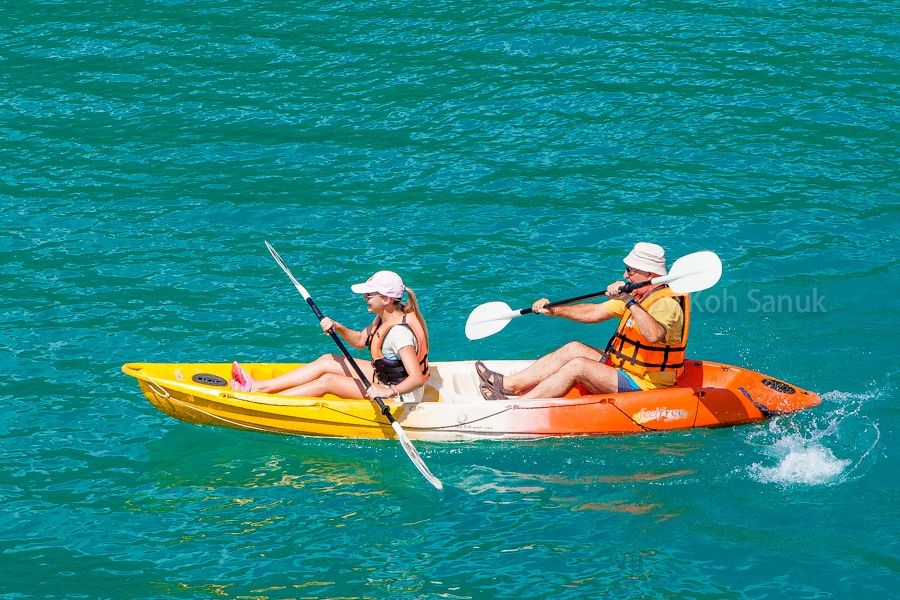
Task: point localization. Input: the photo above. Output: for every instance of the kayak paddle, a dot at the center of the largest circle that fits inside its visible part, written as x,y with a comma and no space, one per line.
401,435
692,273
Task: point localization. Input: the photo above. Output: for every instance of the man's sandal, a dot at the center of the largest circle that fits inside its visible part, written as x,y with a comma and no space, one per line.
491,378
489,392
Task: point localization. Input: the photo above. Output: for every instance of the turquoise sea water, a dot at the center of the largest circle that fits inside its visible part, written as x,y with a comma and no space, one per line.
486,151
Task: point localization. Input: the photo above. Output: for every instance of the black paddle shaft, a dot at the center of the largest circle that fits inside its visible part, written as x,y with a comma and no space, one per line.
628,287
337,340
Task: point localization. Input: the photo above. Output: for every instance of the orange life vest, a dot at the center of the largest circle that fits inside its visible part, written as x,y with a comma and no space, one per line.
630,351
392,371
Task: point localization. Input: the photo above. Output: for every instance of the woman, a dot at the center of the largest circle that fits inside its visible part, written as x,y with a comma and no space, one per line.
399,366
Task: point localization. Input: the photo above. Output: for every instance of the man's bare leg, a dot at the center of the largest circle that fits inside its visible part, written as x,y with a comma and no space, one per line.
545,367
597,377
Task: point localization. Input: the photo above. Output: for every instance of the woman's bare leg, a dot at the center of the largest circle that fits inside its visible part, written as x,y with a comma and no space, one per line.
325,364
329,383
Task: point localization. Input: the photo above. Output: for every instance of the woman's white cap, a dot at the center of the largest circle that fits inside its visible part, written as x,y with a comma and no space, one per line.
386,283
647,257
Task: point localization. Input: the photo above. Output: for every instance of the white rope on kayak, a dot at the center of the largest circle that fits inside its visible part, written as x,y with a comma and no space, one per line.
240,425
193,407
166,396
441,427
610,402
237,424
151,384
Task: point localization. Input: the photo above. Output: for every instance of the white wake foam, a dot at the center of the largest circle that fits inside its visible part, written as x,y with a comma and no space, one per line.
811,448
800,461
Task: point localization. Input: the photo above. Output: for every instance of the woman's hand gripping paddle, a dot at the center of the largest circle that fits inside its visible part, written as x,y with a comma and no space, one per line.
401,435
692,273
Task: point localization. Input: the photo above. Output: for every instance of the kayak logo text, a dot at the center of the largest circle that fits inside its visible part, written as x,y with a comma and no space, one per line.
659,414
758,302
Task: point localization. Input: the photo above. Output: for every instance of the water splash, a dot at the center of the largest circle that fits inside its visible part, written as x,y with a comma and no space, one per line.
800,461
823,449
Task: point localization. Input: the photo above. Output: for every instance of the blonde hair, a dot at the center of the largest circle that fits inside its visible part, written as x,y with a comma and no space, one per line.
412,306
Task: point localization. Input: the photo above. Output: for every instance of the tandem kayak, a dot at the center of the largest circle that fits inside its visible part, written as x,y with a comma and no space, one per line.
707,394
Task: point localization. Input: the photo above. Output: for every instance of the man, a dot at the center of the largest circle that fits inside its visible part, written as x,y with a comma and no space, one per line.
646,352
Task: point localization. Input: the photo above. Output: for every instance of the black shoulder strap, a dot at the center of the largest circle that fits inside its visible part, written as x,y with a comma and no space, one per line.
375,325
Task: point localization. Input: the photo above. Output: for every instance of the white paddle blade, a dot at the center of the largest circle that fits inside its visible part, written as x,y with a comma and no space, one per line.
693,273
284,268
489,318
415,457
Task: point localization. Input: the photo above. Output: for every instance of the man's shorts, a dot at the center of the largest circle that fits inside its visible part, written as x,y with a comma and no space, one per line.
626,383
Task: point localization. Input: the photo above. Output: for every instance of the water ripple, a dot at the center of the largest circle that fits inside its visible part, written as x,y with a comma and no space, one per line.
486,152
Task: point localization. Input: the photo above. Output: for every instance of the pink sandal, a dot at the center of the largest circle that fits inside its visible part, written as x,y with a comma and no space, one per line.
240,378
